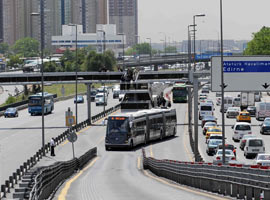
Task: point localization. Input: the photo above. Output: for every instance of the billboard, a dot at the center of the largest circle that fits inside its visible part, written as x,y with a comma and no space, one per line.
207,56
241,73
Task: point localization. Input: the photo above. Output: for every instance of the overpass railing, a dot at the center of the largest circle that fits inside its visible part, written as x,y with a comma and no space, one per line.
235,180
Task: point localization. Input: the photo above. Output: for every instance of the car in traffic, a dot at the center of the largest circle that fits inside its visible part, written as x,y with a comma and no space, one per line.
243,116
202,99
267,119
218,101
229,156
208,125
79,99
252,110
227,146
206,109
212,130
253,147
208,118
233,112
263,159
244,140
93,95
212,145
11,112
265,127
240,129
116,92
101,99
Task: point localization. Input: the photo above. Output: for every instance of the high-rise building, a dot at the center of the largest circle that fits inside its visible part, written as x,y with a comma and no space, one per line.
101,12
1,22
124,13
52,20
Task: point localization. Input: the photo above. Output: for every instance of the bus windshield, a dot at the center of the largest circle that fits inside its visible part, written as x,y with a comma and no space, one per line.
117,125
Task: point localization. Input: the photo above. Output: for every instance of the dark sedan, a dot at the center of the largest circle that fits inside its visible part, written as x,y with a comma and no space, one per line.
11,112
265,128
252,111
208,119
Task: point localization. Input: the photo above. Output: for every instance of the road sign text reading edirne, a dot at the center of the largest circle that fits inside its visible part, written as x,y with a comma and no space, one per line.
241,73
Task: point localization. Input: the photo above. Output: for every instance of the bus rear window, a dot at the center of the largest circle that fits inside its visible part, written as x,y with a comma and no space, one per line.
207,108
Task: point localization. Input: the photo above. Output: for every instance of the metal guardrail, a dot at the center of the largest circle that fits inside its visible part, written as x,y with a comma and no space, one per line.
234,180
48,178
26,166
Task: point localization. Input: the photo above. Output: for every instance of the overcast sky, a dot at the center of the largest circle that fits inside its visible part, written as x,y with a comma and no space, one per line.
240,18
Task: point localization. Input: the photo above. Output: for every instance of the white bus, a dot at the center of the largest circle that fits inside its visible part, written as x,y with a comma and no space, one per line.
206,109
133,128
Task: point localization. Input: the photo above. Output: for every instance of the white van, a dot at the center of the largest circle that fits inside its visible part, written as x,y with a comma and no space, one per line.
253,147
206,109
228,102
262,110
237,102
257,96
240,129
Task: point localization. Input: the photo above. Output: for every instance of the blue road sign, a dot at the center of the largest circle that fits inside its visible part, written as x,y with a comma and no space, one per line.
246,66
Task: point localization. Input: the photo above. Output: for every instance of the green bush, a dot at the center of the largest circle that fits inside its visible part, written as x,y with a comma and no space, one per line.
10,100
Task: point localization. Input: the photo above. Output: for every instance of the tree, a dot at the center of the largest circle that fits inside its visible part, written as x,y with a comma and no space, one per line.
14,61
109,60
26,47
260,44
4,48
170,49
143,48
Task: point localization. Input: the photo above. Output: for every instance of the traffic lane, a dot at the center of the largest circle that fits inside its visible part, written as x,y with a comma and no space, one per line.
115,175
18,145
178,147
229,133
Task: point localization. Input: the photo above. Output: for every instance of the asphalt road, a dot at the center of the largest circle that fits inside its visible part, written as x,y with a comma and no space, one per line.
20,137
118,174
229,132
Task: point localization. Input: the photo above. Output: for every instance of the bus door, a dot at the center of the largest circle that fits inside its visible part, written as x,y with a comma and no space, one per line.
147,128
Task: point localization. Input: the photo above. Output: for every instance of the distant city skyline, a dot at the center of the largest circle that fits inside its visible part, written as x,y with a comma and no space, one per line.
241,18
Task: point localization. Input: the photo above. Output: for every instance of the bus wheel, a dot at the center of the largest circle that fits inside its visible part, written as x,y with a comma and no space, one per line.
174,131
131,144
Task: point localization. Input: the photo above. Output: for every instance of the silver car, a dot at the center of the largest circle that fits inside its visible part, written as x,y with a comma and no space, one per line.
232,112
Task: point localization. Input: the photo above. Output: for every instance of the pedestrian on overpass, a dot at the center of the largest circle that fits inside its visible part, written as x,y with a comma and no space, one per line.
52,144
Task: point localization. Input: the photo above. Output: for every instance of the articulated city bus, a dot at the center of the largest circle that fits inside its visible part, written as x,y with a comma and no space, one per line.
134,128
180,93
35,103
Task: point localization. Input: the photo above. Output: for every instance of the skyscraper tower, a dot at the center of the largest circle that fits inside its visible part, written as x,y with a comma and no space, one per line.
1,22
124,13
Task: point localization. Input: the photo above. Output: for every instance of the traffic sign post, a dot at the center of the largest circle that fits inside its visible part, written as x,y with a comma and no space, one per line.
72,136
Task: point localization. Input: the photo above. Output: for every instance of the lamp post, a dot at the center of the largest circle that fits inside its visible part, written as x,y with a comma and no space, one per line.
165,38
222,84
123,46
194,46
104,40
76,73
41,14
137,36
150,49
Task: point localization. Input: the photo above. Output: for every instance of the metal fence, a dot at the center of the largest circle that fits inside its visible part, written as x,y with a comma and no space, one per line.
240,181
26,166
48,178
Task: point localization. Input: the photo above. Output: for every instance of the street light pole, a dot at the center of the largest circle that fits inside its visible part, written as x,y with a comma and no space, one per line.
104,40
222,84
150,49
76,74
194,45
123,48
139,41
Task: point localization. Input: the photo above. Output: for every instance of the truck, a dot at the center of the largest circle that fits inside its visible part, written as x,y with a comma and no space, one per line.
247,99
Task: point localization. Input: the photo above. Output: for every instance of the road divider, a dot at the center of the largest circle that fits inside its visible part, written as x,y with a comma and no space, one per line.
234,180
